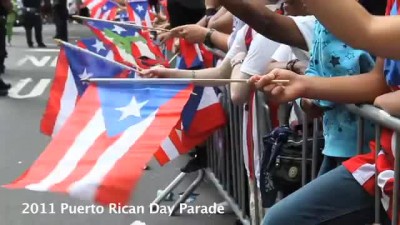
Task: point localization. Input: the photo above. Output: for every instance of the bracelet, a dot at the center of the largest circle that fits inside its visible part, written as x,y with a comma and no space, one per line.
207,38
193,74
291,63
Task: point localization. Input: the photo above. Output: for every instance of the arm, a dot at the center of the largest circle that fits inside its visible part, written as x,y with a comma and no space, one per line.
222,11
276,27
343,91
389,102
362,88
221,72
363,29
223,24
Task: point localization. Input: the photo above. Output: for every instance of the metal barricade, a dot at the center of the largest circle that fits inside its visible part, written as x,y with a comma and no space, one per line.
381,119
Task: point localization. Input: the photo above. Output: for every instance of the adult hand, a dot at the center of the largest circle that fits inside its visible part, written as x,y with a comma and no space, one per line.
284,92
192,33
163,37
154,72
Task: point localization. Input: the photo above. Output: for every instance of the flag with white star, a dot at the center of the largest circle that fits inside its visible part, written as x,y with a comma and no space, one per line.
100,152
105,10
96,46
139,12
74,65
124,40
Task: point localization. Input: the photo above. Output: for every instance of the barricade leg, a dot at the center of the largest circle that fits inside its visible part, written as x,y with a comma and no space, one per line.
188,192
377,189
395,214
170,188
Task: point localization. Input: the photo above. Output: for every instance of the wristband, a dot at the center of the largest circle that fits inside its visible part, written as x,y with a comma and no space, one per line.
207,39
291,63
211,12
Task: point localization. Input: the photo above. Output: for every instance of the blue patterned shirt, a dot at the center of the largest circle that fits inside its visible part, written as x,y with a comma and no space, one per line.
331,57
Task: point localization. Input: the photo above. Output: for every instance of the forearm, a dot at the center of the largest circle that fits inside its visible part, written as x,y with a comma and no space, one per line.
276,65
240,92
363,29
276,27
220,40
362,88
202,22
222,24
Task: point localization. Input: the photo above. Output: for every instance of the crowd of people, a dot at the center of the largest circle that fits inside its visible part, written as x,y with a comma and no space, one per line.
32,18
332,53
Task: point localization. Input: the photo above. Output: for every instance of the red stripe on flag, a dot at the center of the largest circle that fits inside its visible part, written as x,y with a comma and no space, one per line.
57,89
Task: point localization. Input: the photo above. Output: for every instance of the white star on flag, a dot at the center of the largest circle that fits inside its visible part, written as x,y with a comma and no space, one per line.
132,109
105,7
139,8
118,29
85,75
98,46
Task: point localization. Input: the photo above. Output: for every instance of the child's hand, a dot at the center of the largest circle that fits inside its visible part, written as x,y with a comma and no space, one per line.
280,92
389,102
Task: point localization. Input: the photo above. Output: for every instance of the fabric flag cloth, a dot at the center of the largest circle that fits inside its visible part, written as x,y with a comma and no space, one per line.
96,46
100,153
105,10
202,115
126,41
74,64
139,12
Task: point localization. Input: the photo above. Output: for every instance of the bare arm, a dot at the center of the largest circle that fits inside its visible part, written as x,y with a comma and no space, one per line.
220,40
359,28
221,72
362,88
222,24
276,27
389,102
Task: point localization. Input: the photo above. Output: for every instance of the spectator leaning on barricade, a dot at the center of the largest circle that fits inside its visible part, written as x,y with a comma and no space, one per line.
330,57
352,184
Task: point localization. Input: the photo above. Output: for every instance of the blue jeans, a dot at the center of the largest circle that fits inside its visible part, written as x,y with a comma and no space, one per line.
329,163
334,198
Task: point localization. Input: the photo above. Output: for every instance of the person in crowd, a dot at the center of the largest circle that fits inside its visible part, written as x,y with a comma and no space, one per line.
60,16
193,11
11,18
354,182
33,19
5,7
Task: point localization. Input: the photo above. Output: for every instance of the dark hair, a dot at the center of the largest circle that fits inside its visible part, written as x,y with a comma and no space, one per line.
375,7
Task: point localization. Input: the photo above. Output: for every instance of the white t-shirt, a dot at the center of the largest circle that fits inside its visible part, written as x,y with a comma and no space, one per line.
237,25
306,26
283,54
259,54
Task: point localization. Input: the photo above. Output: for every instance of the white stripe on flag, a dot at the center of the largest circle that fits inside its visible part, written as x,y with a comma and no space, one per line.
169,149
84,140
86,188
208,98
67,102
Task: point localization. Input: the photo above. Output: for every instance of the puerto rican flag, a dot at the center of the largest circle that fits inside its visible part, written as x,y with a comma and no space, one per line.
96,46
105,10
100,153
202,115
139,12
73,64
123,40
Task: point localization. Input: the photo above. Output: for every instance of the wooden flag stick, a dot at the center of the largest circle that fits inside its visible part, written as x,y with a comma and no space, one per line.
121,23
172,80
137,70
173,57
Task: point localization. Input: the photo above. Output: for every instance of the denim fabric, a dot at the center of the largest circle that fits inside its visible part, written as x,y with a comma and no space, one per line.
334,198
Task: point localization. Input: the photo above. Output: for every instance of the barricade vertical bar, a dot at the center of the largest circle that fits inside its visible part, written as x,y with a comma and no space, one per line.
377,189
395,218
315,148
304,151
360,135
236,139
241,171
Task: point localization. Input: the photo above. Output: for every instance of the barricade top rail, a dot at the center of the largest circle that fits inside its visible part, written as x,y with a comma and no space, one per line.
376,115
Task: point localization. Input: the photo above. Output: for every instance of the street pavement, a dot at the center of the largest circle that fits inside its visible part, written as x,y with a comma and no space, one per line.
30,71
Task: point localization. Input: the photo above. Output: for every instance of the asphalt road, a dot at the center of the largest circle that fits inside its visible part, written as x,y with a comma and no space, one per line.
31,71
